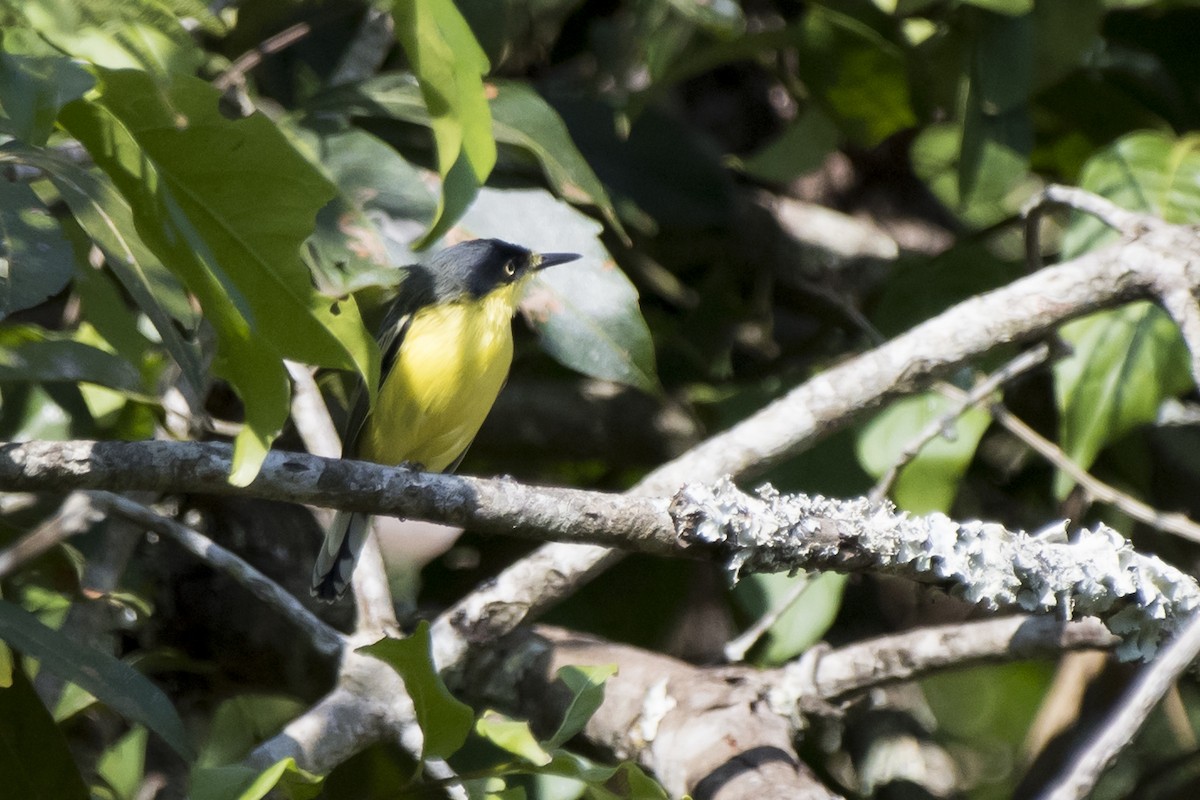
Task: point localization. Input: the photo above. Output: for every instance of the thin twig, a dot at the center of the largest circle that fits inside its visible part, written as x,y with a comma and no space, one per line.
324,638
74,516
982,390
1170,522
1131,713
236,73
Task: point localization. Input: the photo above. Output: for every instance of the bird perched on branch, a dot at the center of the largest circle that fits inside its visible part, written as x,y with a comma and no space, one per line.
446,345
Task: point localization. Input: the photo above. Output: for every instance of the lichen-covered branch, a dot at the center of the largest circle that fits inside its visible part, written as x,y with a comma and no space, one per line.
1140,598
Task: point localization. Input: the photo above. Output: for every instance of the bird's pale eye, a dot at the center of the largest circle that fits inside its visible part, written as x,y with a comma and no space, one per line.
510,268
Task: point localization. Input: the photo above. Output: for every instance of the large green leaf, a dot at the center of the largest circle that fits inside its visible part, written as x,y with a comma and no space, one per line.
113,682
930,481
450,65
443,719
108,219
34,88
1145,171
801,625
586,312
226,205
35,259
1123,364
1127,361
586,685
34,758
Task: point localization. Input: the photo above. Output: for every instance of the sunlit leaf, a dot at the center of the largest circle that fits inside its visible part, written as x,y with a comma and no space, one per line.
226,204
930,481
123,765
586,685
798,627
34,758
449,64
1123,364
443,719
113,682
512,736
143,34
35,259
720,17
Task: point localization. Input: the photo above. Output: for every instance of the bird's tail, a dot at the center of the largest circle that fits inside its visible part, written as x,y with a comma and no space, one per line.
336,559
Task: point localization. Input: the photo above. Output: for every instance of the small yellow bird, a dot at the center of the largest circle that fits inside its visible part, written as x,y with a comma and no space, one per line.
447,346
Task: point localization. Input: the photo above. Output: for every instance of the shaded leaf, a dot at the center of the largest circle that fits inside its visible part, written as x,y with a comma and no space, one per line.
115,683
226,204
522,117
443,719
36,261
108,219
242,722
859,77
801,148
586,685
449,64
238,782
34,758
585,313
30,354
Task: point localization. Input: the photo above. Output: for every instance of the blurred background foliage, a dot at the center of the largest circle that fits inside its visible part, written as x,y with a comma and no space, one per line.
760,189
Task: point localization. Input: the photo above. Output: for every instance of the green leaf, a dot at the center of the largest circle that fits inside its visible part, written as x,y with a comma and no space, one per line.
226,204
449,64
108,219
1145,171
443,719
34,88
30,354
113,682
586,685
521,117
800,149
512,736
36,261
997,133
859,77
123,765
800,626
930,481
1123,364
626,780
585,313
34,758
242,722
1011,8
142,34
243,783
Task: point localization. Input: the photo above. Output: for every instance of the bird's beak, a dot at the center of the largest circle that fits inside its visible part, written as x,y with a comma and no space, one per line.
544,260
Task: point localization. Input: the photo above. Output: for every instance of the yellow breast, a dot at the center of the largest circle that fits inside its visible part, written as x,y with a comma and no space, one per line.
451,365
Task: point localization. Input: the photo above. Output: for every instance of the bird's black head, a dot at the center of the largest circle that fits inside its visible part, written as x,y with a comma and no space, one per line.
476,268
